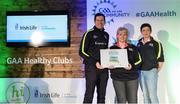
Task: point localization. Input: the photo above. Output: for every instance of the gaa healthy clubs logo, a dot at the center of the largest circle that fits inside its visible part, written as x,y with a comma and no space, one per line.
109,9
17,92
105,7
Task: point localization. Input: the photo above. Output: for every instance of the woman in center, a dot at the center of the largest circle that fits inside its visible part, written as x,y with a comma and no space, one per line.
125,79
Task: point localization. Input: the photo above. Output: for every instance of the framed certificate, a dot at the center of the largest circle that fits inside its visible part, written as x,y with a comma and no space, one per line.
114,57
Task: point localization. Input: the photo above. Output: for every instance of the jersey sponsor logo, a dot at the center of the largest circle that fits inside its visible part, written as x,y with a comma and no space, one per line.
105,37
138,45
151,44
95,36
130,49
100,43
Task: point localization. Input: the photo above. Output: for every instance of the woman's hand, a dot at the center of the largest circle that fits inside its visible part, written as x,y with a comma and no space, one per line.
160,65
129,67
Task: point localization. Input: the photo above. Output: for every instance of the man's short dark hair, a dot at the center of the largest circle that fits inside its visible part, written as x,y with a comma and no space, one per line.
99,14
146,25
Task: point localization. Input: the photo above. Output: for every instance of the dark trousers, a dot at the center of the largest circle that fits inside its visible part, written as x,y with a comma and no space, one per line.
126,91
95,78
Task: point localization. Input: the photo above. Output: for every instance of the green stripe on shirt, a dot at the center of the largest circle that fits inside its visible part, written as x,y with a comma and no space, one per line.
159,52
139,61
84,38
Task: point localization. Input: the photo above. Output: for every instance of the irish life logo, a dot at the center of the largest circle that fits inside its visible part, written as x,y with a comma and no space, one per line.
17,92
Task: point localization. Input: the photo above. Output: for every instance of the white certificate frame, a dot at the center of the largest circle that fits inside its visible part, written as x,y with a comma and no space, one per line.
116,58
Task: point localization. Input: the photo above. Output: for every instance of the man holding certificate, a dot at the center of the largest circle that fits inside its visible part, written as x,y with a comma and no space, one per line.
124,76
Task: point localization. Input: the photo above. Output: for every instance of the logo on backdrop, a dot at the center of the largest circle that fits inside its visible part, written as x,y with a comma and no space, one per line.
16,26
25,27
109,9
39,60
44,93
32,27
17,92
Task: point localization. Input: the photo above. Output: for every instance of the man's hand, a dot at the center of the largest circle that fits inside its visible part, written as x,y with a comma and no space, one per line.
98,65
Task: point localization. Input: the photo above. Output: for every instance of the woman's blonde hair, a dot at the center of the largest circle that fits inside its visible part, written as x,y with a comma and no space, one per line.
121,29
